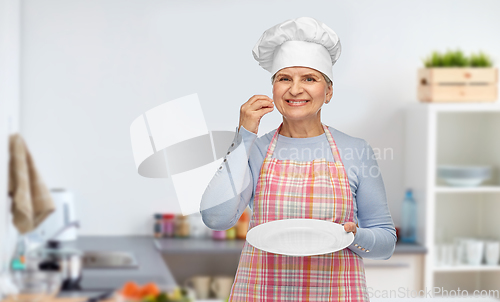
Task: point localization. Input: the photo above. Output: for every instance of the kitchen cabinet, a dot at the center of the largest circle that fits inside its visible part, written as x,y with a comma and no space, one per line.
400,272
191,256
460,134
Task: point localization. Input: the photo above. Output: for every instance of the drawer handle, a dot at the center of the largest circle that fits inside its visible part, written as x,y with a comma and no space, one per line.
387,265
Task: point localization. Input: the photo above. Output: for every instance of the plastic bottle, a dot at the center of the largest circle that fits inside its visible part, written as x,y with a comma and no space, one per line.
409,219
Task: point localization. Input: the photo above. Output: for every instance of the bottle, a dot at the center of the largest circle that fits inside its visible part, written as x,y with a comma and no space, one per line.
181,226
158,228
218,235
409,219
231,233
242,225
168,225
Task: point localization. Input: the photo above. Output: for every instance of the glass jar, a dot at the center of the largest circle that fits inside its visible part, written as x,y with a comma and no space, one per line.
168,225
231,233
219,235
181,226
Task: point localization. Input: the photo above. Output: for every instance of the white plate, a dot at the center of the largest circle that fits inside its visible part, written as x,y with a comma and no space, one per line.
300,237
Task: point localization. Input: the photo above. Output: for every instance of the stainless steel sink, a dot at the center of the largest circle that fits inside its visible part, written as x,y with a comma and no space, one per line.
109,259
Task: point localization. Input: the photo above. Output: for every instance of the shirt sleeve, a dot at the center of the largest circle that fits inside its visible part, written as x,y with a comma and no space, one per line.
375,235
230,190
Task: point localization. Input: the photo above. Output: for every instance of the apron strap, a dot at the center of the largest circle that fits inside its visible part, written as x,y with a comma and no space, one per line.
333,146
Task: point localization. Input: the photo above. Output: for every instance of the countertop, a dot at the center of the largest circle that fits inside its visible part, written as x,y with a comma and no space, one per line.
149,252
151,266
211,246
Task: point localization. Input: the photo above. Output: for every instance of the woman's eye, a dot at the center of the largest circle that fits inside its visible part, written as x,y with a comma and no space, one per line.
310,79
283,79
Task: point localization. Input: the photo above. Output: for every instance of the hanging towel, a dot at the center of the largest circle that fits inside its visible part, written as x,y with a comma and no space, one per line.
31,200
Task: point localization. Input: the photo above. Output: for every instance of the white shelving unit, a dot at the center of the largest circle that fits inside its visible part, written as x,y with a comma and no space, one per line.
463,134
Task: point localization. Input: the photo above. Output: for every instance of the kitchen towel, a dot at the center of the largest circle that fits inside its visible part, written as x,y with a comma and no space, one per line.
31,200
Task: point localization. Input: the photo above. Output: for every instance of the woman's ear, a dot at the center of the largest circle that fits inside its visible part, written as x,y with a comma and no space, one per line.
329,93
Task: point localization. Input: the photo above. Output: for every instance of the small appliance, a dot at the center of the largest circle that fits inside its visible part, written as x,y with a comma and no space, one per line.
63,215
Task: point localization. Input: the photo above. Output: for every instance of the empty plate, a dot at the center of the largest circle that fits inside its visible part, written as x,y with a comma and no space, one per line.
300,237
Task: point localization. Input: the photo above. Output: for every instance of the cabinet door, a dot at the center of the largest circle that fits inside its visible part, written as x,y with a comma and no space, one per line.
400,273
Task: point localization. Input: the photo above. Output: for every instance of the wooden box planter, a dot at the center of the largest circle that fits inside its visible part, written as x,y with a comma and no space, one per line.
447,85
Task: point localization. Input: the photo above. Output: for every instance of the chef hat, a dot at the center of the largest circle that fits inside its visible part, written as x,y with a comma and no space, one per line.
303,42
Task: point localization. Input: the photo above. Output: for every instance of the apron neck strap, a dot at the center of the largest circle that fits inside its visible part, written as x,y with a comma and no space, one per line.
329,136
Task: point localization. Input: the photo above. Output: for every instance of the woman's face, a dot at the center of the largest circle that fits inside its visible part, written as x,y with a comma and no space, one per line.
300,92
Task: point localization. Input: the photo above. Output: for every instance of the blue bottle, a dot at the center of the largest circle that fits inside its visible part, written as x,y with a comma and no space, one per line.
409,219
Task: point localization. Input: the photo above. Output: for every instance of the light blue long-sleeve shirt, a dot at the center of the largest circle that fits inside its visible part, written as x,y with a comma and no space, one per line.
222,205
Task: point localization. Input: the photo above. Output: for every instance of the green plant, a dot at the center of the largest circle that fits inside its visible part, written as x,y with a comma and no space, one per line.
480,60
457,59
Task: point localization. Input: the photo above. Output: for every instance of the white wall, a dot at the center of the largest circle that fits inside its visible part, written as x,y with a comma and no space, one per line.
9,113
90,67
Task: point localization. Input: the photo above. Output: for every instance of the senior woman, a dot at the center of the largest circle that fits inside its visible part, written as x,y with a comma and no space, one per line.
288,178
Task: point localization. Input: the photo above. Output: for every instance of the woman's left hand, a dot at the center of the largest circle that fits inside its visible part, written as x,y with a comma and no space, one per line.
350,227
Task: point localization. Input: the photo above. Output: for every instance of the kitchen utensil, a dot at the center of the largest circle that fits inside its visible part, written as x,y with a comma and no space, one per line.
200,284
474,251
299,237
464,176
492,252
221,286
35,285
63,214
55,258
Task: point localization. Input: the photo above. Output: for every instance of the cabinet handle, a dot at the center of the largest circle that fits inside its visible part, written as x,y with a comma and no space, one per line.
387,265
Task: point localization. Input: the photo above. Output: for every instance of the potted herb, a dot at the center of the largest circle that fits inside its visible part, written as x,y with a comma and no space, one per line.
454,77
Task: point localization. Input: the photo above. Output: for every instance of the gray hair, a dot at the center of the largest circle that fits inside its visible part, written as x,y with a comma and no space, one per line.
327,79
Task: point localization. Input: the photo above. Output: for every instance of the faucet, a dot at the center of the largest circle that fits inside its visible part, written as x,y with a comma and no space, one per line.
75,223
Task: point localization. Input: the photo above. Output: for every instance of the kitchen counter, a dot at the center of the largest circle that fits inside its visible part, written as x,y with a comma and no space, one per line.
410,248
151,254
151,267
210,246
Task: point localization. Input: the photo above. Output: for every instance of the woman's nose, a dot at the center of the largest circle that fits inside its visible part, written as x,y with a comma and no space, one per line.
296,88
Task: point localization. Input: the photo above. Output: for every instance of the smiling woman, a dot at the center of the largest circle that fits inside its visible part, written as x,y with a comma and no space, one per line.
292,183
299,94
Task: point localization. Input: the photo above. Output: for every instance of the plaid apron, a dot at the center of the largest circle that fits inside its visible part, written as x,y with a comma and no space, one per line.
289,189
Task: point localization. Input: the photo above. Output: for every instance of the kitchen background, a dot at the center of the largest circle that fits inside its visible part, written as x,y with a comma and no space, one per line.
75,74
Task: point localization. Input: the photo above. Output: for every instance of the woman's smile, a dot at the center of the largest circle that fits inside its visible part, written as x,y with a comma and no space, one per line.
297,103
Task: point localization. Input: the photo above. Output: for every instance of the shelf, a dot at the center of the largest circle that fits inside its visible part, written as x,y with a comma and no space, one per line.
467,268
480,189
462,107
454,134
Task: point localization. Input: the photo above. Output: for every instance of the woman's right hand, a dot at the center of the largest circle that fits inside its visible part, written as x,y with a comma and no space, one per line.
253,110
